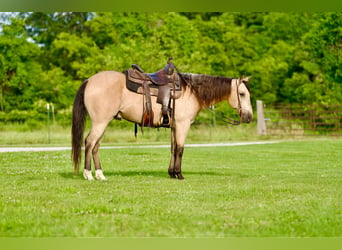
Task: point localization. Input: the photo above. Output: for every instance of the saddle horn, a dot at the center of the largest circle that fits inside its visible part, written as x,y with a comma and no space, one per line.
169,67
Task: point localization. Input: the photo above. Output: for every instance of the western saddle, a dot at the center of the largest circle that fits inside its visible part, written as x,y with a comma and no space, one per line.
164,84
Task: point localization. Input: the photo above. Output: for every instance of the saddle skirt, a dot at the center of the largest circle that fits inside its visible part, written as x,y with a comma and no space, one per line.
157,82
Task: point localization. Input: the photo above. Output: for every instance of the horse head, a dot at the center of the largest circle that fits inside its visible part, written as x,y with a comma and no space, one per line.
240,99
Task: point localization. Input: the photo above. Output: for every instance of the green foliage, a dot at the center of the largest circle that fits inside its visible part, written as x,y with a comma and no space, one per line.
19,70
292,57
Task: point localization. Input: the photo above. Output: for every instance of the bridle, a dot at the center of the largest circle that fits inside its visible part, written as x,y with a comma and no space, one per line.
238,108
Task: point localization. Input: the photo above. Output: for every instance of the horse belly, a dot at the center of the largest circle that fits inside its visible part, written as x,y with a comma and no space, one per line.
132,108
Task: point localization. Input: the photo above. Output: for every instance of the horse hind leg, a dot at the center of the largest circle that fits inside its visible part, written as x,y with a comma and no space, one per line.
92,145
98,169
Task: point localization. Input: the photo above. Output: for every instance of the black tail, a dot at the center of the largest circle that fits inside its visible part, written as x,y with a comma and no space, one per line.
79,113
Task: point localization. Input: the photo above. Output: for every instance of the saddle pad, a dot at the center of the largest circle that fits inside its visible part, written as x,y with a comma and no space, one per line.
137,87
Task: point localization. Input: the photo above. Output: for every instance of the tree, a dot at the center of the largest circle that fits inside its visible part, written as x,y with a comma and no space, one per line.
292,57
318,62
45,27
19,69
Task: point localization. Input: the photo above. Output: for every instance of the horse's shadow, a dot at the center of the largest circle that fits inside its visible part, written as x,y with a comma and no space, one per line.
148,173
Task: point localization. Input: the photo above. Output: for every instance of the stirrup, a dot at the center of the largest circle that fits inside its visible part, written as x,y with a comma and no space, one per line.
166,120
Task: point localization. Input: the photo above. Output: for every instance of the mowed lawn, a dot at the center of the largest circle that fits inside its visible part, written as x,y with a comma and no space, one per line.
285,189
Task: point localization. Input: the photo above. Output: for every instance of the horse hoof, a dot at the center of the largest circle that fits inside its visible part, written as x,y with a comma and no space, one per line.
99,175
87,175
172,175
180,177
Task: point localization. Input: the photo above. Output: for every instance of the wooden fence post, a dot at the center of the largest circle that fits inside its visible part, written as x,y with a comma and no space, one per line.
261,118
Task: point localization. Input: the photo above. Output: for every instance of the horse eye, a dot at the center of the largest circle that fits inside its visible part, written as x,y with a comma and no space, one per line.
242,94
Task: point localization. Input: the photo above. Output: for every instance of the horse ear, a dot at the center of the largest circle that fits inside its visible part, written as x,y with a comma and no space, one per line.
241,77
247,78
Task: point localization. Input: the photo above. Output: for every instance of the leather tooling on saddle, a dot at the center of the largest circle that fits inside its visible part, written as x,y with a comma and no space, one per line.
164,84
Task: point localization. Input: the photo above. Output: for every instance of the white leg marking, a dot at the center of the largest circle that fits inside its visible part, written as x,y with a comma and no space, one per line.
87,175
99,175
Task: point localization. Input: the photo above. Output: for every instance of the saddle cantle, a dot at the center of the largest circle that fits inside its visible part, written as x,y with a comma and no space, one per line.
163,84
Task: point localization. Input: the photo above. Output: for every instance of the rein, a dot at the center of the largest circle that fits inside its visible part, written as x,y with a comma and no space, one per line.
239,108
225,118
231,121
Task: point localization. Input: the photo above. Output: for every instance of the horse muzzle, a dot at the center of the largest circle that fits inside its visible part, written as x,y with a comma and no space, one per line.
246,116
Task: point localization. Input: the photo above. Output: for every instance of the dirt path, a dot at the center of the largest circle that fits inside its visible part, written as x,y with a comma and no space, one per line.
42,149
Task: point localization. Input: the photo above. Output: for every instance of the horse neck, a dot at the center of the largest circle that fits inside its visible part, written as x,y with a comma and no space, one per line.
209,89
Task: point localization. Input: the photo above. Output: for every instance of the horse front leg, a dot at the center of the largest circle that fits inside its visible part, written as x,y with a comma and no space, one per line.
173,154
178,163
177,149
175,168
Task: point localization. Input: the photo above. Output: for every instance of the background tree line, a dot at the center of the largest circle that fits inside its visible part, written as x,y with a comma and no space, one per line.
44,57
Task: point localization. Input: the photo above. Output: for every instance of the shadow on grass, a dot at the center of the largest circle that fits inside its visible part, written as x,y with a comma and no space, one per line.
149,173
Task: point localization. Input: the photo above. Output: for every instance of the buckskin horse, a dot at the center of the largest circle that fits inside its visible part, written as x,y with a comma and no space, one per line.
105,96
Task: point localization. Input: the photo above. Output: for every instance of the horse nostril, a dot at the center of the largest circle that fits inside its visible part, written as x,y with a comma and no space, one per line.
247,117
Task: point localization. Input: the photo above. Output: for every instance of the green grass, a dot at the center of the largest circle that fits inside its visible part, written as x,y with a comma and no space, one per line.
288,189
